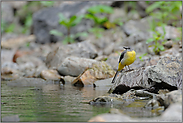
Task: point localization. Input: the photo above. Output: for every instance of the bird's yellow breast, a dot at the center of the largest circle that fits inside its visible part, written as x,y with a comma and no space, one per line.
129,58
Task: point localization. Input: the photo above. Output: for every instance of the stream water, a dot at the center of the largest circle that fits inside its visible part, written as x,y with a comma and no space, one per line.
56,104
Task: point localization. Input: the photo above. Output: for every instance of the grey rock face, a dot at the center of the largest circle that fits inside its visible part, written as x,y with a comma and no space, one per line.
167,70
167,73
82,49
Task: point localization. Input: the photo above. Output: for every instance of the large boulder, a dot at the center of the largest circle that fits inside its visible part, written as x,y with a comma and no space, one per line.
82,49
167,74
74,66
47,19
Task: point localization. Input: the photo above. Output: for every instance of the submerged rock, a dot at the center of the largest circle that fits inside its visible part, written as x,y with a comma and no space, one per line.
100,70
172,114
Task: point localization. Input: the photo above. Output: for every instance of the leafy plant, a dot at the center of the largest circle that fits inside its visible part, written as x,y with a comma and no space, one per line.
47,3
158,41
7,28
94,11
97,31
162,12
165,11
69,23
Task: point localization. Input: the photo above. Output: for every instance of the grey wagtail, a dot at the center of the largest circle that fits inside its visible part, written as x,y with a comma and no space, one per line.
127,57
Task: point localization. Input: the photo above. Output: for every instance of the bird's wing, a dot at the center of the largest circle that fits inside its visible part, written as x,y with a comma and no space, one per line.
122,56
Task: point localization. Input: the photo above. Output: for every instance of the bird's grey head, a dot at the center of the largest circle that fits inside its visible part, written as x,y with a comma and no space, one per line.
126,48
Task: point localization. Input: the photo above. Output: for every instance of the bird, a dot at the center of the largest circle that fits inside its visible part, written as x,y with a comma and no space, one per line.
128,56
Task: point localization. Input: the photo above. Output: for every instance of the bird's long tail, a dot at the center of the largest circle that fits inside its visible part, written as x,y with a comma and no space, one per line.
115,76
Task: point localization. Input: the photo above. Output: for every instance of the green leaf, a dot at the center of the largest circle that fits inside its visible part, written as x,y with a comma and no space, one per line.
100,9
47,3
154,6
56,33
161,47
149,40
81,34
77,20
10,28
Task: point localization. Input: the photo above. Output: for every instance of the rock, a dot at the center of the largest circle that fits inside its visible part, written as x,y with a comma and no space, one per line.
118,14
7,55
17,42
113,60
102,83
69,79
117,35
8,36
18,54
137,37
17,5
26,66
111,118
172,52
82,49
101,58
168,70
134,26
47,19
50,75
74,66
39,69
108,50
7,10
172,97
133,15
98,71
168,44
165,75
171,32
12,118
29,59
9,68
173,113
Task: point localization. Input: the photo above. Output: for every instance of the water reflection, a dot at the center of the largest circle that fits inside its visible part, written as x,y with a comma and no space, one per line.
51,103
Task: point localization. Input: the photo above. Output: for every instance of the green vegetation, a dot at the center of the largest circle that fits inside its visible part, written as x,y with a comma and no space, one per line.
25,17
163,13
69,23
167,12
94,11
100,16
97,31
7,28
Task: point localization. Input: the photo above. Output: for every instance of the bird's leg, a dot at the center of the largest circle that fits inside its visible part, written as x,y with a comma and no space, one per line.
125,68
128,67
